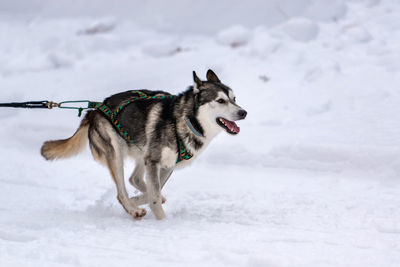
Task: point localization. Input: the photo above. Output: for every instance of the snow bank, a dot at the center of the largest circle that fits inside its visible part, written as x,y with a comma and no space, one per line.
301,29
234,36
184,16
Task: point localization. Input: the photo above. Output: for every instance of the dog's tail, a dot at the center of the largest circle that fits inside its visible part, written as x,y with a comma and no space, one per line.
67,147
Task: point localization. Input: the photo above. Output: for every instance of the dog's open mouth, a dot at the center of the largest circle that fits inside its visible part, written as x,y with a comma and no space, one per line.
229,126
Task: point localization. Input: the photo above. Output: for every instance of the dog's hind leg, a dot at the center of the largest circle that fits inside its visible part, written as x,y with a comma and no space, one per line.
143,198
137,177
106,148
115,165
164,175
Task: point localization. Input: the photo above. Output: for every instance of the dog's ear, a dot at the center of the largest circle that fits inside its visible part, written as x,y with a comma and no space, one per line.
212,77
197,83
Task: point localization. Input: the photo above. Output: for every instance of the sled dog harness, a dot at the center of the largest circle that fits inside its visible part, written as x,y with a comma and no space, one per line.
112,116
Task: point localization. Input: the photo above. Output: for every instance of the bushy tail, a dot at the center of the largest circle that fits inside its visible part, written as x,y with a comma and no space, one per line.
68,147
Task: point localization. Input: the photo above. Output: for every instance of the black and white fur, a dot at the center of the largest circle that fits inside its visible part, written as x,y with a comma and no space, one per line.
155,126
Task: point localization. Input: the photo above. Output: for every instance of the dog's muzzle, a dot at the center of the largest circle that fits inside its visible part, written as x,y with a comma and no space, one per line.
242,114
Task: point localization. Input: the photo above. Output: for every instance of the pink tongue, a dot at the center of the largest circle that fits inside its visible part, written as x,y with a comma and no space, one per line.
232,126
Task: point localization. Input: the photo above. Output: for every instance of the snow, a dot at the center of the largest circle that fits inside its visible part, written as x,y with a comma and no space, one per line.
183,16
311,180
301,29
234,36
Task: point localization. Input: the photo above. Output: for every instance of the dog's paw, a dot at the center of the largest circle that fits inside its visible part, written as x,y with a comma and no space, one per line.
157,210
160,214
138,200
139,213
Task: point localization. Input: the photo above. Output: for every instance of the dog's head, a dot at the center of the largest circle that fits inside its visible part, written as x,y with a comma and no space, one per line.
217,107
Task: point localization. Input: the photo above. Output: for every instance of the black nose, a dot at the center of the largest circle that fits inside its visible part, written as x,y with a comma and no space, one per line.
242,113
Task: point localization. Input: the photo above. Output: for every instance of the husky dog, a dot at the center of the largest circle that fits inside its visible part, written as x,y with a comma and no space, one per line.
158,130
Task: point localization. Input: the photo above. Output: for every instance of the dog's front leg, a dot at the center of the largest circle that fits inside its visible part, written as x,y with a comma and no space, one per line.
142,199
154,188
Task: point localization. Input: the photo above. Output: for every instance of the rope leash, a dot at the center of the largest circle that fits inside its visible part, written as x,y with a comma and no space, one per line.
50,104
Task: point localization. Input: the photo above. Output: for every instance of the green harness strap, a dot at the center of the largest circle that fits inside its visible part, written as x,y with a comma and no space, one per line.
112,115
183,153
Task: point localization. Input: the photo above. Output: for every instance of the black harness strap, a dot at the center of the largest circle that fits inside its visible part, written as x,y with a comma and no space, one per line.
30,104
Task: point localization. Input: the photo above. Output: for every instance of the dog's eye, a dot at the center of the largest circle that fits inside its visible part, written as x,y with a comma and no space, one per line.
221,101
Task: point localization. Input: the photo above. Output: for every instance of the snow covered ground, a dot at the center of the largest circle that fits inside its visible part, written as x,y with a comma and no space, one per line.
311,180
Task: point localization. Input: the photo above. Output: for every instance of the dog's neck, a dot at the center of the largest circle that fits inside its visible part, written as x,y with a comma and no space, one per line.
195,127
